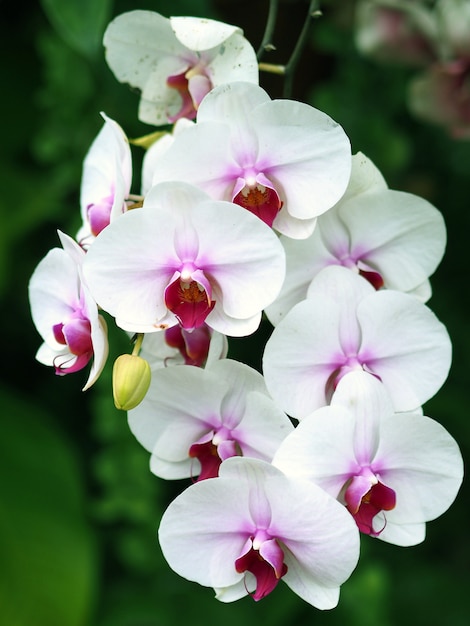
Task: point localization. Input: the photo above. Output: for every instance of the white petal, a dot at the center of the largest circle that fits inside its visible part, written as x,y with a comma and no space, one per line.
398,234
53,292
201,33
300,356
423,464
407,347
235,61
306,152
200,531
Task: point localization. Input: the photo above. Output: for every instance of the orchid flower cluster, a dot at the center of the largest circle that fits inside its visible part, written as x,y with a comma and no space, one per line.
431,35
251,206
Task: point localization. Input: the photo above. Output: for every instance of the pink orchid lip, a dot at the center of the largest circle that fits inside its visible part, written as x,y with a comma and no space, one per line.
192,84
264,558
213,448
256,194
366,497
193,345
188,296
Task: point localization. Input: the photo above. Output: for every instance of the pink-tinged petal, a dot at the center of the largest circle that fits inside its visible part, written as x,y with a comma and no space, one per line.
314,165
106,179
368,403
348,290
409,350
422,463
201,33
397,234
263,428
131,286
302,452
171,417
214,161
302,353
204,529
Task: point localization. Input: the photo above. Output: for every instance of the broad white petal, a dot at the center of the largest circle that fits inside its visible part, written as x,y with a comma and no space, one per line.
301,355
306,152
423,464
198,33
201,532
404,344
398,234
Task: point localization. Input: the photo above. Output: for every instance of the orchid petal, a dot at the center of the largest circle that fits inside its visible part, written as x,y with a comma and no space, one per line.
410,350
201,33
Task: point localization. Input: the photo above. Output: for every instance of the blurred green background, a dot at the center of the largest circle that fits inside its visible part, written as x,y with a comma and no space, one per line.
79,508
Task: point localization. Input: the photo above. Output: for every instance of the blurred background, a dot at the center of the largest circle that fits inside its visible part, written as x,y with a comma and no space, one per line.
79,507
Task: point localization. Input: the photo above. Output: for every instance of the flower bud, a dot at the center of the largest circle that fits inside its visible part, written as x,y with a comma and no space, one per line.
131,380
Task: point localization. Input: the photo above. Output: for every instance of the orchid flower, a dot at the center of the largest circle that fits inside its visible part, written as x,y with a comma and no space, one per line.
66,315
344,325
184,258
106,181
393,471
175,62
252,526
282,160
393,238
192,419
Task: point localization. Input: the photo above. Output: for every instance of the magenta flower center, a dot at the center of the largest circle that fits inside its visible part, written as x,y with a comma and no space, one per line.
365,498
264,558
192,85
75,333
213,448
189,301
260,200
99,214
192,345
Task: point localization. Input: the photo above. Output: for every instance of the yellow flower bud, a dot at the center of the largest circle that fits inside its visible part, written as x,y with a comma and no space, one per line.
131,380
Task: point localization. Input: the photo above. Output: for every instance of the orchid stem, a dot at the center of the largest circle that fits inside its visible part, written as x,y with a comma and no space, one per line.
138,344
266,43
313,12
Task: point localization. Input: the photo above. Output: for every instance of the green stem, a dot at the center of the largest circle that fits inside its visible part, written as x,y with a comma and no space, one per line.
313,12
266,43
138,344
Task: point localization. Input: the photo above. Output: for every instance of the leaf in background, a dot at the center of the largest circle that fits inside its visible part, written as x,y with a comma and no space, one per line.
48,571
81,23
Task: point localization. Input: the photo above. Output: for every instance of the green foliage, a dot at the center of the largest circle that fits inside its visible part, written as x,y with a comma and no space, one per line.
80,23
49,559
